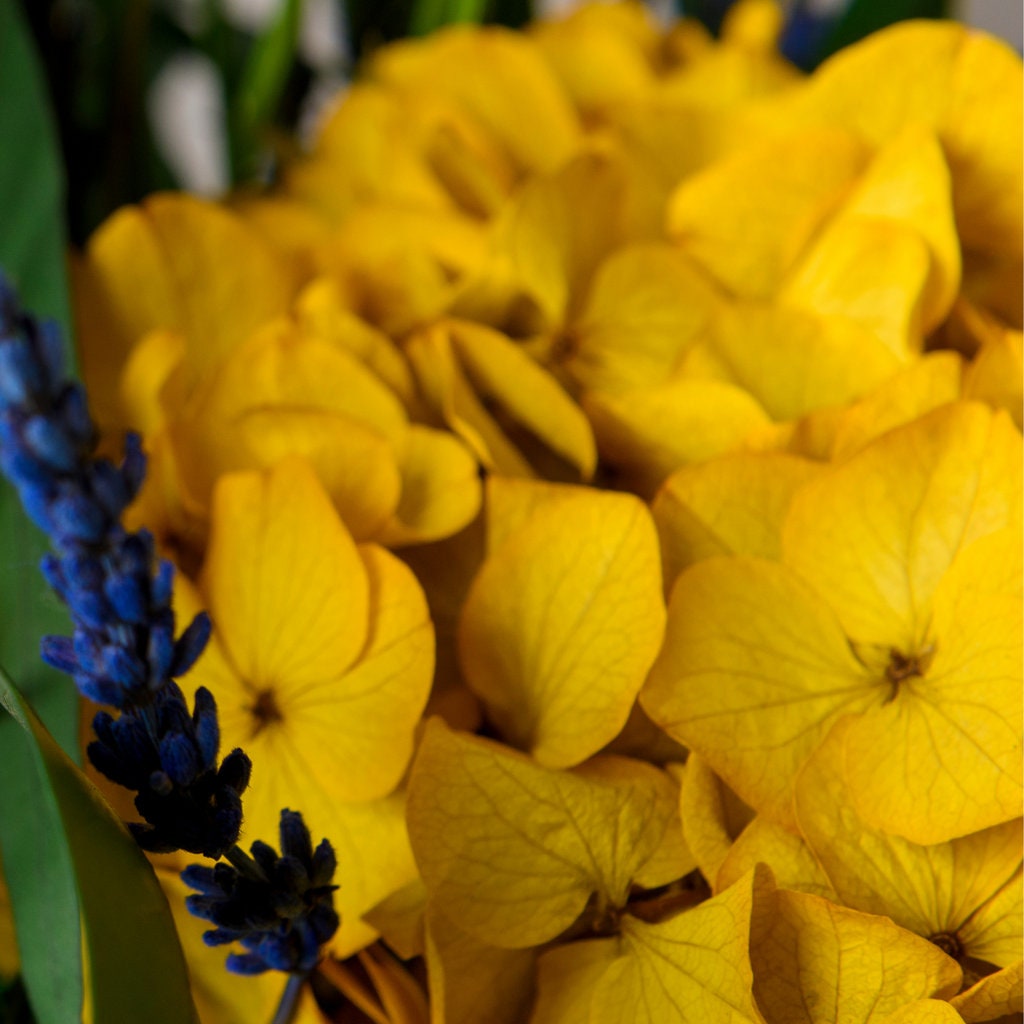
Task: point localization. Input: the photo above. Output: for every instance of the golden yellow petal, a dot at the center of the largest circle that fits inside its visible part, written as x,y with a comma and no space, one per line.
818,963
471,981
732,505
694,965
753,672
513,851
774,197
562,623
286,585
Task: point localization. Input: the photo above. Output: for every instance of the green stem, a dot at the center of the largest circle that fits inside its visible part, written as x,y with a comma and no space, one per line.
429,15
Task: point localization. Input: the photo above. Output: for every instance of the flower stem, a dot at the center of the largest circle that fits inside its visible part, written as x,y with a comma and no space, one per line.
289,999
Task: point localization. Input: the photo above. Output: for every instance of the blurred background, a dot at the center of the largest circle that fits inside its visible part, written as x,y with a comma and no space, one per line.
206,94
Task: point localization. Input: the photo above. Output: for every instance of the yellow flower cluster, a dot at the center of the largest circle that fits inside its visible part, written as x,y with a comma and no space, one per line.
601,459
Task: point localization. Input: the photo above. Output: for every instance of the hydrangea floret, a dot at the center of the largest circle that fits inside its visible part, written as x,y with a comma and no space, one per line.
123,653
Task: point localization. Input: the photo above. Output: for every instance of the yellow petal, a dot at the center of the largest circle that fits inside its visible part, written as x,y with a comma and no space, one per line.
734,504
120,291
909,182
283,393
292,226
785,852
774,196
712,815
664,142
448,391
440,488
287,588
642,739
320,311
692,966
753,25
365,152
166,505
944,75
744,66
478,173
818,963
989,934
601,54
400,919
502,372
996,995
403,268
354,463
923,386
473,982
871,271
358,726
982,134
942,757
925,1011
400,995
369,837
547,244
906,503
280,366
649,432
566,978
793,361
562,623
995,374
646,305
932,890
672,859
445,570
226,280
753,672
147,372
499,79
512,851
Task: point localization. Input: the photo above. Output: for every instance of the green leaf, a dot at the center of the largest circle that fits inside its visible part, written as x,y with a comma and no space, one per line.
32,249
429,15
70,861
262,82
862,17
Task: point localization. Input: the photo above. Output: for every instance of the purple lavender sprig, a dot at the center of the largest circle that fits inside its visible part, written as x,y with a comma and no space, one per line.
247,906
124,653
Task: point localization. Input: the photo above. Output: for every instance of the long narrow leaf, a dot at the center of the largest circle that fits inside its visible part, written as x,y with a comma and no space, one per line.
263,80
32,253
40,876
76,856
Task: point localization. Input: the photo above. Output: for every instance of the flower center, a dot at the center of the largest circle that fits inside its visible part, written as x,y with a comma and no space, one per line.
565,345
265,711
949,943
902,666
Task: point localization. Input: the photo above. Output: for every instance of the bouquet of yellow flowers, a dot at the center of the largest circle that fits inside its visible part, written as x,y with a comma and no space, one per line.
592,469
